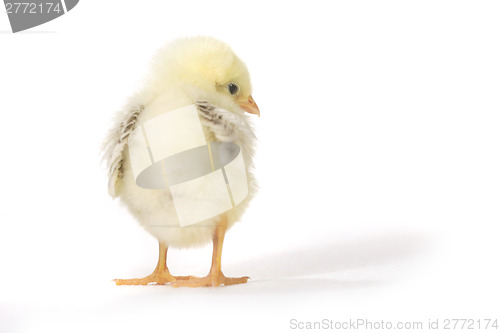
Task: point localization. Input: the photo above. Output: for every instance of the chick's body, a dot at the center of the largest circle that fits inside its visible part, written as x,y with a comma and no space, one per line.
154,209
201,71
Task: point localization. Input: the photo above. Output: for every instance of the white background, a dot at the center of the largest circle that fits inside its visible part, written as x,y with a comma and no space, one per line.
378,162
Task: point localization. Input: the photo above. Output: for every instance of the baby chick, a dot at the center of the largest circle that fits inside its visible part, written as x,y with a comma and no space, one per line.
205,72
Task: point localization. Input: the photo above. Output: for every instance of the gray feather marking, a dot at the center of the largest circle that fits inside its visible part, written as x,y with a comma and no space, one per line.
116,143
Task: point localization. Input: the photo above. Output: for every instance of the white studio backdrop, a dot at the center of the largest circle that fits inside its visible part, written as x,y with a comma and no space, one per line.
377,159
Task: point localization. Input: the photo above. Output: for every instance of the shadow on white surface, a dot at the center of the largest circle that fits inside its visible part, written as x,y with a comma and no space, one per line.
331,257
365,262
368,261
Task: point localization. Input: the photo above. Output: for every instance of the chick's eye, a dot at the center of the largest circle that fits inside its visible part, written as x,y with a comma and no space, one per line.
233,88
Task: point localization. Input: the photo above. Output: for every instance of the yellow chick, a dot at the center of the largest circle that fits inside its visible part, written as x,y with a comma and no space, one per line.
205,72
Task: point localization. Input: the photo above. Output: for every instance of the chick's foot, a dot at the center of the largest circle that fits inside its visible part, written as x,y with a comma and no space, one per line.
163,277
211,280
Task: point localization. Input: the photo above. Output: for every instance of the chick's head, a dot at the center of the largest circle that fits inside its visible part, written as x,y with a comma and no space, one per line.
206,69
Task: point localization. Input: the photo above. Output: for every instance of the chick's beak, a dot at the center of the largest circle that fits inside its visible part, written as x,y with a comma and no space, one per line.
250,106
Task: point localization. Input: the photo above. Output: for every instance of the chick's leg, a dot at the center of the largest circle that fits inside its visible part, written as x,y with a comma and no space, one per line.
215,277
160,275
